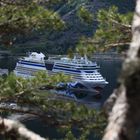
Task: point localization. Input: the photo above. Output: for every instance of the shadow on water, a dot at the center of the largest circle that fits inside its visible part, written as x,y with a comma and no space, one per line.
110,69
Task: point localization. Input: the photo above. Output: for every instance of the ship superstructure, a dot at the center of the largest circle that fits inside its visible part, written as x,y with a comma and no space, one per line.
84,72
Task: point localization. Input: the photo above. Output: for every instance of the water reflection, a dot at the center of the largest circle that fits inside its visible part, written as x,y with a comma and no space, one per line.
81,97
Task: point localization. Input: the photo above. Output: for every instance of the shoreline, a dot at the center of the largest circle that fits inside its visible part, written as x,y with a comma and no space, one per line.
106,55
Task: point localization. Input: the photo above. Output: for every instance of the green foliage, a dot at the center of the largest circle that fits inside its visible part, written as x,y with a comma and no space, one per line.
69,136
55,111
59,41
13,85
30,16
41,17
85,15
113,32
84,48
114,29
25,17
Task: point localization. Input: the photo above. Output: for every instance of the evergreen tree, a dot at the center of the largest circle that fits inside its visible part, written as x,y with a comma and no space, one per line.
18,17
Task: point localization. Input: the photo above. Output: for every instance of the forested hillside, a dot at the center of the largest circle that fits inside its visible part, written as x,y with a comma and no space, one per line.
76,26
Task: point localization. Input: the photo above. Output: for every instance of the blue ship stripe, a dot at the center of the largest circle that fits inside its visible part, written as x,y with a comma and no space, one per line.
77,71
38,65
28,69
88,70
32,62
75,64
59,67
77,68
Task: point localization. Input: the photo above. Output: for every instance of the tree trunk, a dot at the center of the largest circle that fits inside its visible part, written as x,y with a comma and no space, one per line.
123,105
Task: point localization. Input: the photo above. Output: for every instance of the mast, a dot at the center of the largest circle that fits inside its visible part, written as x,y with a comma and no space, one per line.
86,59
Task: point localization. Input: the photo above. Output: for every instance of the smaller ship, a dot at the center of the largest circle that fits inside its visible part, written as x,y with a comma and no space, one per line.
85,73
28,66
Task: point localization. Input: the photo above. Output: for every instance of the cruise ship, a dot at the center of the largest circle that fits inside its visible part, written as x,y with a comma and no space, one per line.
28,66
84,72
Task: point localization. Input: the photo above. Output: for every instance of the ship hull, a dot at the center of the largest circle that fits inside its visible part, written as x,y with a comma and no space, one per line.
94,85
28,69
79,83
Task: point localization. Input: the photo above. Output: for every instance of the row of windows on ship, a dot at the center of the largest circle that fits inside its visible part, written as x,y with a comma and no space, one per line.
77,66
99,77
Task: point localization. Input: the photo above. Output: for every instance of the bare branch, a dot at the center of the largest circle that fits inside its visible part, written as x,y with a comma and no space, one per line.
9,126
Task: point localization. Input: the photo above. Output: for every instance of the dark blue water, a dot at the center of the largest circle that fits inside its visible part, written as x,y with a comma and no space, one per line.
110,69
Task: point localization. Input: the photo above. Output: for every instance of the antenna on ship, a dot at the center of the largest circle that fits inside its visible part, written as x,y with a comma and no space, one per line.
74,58
86,59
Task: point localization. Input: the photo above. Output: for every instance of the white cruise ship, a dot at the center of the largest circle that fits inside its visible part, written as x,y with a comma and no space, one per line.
27,66
84,72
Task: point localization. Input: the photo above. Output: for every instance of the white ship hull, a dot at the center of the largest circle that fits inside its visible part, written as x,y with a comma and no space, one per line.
85,85
96,85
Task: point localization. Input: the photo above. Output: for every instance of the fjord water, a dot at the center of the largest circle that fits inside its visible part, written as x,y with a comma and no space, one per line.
109,68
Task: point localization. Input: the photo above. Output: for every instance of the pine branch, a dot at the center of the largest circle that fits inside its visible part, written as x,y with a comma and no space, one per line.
109,46
119,23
